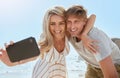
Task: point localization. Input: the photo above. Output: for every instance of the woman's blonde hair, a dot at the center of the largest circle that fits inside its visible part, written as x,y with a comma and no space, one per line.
46,38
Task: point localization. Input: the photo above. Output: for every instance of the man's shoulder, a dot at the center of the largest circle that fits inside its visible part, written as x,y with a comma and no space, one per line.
96,31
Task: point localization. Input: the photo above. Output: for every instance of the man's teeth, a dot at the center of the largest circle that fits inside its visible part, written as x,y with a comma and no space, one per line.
73,30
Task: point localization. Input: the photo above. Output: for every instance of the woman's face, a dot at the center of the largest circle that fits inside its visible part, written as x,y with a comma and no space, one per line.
57,26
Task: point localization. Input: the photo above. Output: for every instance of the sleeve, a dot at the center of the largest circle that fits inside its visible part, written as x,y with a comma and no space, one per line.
103,44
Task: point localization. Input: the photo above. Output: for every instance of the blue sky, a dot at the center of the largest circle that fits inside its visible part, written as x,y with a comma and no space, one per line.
23,18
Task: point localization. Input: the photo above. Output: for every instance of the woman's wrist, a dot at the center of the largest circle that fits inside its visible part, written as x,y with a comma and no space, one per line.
83,35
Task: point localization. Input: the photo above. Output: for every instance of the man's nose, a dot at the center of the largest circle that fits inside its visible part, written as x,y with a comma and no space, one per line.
72,26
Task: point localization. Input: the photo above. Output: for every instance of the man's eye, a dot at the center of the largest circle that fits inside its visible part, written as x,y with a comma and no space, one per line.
68,22
77,21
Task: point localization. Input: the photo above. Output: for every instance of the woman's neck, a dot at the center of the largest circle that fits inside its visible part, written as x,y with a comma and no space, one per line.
59,44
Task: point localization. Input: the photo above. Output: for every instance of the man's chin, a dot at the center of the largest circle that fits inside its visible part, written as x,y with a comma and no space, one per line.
73,35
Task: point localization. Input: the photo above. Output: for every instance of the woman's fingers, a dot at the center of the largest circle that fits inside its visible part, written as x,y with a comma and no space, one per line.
93,47
2,53
7,45
11,42
2,50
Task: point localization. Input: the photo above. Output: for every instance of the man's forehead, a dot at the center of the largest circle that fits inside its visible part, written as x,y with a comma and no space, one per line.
74,18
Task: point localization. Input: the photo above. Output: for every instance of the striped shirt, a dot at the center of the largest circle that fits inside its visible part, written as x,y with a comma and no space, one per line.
53,65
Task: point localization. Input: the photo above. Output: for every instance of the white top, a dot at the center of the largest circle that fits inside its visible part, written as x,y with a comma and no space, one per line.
106,47
53,65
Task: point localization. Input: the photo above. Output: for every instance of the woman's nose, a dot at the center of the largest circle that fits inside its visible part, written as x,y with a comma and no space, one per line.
57,26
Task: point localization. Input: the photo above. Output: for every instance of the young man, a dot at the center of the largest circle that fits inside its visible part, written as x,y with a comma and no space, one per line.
102,63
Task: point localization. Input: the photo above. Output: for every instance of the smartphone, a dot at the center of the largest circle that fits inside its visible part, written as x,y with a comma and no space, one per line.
24,49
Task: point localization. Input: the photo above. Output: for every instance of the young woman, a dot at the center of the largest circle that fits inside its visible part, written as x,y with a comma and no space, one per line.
53,46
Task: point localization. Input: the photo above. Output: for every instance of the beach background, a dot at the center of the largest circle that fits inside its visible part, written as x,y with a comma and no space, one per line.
20,19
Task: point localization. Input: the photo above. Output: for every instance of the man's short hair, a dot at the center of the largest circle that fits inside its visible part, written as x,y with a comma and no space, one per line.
77,11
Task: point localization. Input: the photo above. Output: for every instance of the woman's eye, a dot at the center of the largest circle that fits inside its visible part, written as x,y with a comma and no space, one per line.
52,23
62,23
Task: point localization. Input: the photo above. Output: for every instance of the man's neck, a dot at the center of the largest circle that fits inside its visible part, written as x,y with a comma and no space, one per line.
80,35
78,38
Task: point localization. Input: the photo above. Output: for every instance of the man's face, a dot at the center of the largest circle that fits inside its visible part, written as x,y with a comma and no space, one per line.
75,25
